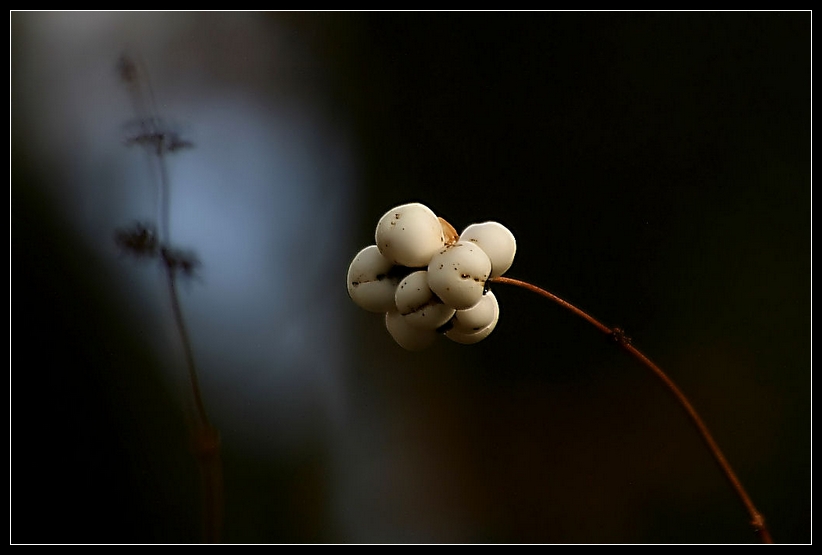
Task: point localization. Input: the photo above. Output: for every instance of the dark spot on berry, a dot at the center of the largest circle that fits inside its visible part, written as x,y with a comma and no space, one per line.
446,326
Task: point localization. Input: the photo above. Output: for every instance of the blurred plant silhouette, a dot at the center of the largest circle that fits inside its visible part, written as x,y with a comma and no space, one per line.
142,240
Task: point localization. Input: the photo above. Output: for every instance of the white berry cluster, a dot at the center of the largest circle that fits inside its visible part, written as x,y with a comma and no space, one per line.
429,280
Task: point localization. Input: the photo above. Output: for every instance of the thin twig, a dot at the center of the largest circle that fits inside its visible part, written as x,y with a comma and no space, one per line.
757,520
206,437
202,415
165,199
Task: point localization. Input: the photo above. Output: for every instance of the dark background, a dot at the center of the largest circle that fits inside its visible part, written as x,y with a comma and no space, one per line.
655,170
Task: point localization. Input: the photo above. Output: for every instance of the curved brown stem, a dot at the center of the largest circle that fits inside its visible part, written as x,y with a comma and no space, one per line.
757,520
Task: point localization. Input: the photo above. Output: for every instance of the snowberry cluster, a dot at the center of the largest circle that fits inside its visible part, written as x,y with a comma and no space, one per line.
429,280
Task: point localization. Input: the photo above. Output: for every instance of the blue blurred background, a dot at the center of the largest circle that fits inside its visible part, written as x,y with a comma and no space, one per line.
654,167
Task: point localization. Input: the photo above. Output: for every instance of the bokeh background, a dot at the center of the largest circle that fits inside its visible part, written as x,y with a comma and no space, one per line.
655,168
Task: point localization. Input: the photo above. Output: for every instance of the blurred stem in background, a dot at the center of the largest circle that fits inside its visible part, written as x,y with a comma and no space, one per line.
143,241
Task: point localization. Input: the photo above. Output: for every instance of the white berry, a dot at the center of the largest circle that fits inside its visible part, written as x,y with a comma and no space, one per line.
497,242
476,323
370,283
418,304
409,235
407,336
457,274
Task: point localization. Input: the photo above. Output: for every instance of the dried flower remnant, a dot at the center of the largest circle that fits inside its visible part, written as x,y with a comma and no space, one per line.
139,240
